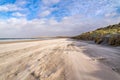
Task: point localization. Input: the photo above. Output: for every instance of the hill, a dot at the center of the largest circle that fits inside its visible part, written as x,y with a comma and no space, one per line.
106,35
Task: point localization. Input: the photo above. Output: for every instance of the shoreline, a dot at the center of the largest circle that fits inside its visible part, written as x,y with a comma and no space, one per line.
22,40
19,41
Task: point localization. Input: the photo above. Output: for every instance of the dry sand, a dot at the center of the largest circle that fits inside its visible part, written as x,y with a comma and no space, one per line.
58,59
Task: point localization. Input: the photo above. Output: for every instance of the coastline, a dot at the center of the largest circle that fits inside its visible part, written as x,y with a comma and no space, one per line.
18,41
23,40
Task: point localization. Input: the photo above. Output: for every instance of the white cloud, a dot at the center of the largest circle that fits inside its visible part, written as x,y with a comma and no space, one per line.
17,14
111,14
21,2
43,27
45,13
48,2
9,7
93,14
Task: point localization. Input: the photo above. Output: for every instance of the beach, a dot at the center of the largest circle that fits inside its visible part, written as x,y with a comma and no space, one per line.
58,59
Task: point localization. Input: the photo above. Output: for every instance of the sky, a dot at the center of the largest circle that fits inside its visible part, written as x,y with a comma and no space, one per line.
34,18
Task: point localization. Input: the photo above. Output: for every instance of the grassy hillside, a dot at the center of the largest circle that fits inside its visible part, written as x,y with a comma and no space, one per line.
107,35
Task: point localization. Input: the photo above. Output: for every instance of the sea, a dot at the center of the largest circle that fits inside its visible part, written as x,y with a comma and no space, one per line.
21,39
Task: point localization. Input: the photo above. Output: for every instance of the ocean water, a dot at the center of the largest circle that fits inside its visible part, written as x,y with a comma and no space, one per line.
21,39
17,39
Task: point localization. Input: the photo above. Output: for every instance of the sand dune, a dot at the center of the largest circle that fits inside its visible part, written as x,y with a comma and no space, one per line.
58,59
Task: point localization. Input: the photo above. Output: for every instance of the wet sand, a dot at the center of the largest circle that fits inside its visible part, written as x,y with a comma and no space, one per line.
58,59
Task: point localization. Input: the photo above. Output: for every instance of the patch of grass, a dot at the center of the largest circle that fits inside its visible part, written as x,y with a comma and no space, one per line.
110,34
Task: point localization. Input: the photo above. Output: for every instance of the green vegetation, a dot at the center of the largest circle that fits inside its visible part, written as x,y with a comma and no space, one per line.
107,35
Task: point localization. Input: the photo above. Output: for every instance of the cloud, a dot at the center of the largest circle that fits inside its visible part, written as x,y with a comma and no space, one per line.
73,25
21,2
34,18
18,14
9,7
47,2
111,14
45,13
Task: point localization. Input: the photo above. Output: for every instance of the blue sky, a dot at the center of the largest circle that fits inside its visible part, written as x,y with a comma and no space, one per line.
28,18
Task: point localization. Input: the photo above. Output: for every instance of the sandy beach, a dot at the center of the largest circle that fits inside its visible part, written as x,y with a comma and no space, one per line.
58,59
